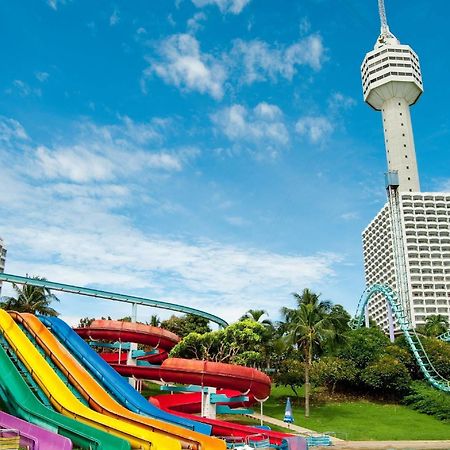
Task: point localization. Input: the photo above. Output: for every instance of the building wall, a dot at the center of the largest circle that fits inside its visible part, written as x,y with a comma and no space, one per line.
426,238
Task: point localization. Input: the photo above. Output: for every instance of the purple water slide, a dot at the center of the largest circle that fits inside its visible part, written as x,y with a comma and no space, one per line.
36,437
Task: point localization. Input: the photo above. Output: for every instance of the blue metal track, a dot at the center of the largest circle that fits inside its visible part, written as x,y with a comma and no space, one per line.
426,367
111,296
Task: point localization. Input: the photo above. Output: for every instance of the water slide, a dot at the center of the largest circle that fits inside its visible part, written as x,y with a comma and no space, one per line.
176,370
65,402
98,398
19,399
33,436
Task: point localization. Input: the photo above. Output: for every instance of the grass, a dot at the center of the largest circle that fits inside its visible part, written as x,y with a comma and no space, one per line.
361,420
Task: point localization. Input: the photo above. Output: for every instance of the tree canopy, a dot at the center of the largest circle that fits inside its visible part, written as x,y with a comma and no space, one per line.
31,299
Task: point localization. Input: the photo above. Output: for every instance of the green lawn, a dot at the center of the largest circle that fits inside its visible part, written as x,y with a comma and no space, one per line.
362,420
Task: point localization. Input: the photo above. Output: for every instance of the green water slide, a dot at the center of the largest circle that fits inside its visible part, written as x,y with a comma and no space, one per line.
19,395
413,340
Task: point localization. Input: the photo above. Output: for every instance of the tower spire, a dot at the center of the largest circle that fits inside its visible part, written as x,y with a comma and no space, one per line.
383,19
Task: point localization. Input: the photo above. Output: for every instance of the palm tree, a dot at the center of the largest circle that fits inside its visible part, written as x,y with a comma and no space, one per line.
309,327
435,325
31,299
257,316
155,321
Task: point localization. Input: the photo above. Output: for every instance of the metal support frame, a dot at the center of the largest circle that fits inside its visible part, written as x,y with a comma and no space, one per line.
110,296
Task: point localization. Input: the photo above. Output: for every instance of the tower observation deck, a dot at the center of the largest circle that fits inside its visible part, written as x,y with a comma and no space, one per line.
392,82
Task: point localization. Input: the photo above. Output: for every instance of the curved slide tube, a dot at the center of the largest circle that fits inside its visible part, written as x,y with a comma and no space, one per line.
98,398
110,379
64,401
177,370
129,332
20,401
187,371
36,437
203,373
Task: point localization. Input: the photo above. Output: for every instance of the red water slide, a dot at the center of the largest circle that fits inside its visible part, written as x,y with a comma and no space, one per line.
233,380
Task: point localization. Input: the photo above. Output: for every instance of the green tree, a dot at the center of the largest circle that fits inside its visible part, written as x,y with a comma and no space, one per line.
331,372
155,321
364,346
257,315
85,322
239,343
188,323
310,327
435,325
291,372
31,299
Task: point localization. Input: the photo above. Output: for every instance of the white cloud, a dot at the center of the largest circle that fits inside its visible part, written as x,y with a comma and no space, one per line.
103,153
338,101
225,6
54,3
11,130
351,215
182,64
315,128
75,163
180,61
114,19
263,125
195,22
42,76
237,221
258,61
23,89
74,232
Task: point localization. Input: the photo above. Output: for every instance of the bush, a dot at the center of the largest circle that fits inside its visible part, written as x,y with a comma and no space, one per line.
364,346
429,401
387,375
334,372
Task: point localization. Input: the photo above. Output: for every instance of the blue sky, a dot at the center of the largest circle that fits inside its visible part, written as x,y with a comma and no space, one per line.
214,153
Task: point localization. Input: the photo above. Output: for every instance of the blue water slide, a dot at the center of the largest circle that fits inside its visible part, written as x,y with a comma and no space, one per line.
114,383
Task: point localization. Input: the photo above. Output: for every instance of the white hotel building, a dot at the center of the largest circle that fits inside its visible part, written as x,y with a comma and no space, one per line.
425,224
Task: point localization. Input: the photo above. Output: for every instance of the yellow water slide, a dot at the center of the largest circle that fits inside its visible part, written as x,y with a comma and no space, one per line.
67,404
99,399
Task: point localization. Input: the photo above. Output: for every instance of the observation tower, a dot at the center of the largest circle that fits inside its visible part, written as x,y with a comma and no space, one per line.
392,82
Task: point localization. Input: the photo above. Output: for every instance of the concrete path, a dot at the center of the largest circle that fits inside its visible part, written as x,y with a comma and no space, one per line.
340,444
291,427
388,445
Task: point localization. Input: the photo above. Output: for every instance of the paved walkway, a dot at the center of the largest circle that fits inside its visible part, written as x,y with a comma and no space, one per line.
340,444
388,445
292,427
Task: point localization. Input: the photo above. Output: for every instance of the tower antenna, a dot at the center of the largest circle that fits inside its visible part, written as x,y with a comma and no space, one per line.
383,19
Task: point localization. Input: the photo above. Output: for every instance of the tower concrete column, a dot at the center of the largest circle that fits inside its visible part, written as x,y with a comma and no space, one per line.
399,142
